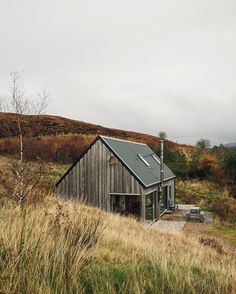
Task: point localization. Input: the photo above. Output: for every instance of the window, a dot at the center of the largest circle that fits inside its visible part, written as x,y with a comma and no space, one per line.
112,160
126,204
141,157
155,157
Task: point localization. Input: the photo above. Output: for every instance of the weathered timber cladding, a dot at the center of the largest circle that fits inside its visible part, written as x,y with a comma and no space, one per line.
93,178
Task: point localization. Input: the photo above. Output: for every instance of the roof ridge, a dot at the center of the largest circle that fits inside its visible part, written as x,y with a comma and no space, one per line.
122,140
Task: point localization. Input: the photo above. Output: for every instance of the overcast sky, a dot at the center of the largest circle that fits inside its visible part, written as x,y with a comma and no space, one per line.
145,65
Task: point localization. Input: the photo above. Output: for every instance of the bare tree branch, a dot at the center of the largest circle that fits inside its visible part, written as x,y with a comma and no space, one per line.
4,106
41,105
20,104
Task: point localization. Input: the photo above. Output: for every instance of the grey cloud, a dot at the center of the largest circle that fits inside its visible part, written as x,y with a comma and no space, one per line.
138,65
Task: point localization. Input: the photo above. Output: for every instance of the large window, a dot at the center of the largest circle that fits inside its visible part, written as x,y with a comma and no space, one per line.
126,204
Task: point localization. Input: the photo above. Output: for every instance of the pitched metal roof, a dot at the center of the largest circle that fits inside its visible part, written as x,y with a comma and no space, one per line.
142,162
138,158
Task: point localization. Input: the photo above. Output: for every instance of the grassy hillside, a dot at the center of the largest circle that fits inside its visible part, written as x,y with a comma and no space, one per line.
62,247
61,139
53,246
47,125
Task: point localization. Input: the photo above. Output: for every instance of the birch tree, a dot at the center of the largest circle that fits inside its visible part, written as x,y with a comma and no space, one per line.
21,178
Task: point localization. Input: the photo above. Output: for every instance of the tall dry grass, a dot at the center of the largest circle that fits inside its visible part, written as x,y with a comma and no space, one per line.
43,250
63,247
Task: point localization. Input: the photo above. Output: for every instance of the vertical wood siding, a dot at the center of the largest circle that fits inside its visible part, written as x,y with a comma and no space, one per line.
93,178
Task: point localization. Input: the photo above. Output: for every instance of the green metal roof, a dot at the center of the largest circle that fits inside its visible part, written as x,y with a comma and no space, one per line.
142,162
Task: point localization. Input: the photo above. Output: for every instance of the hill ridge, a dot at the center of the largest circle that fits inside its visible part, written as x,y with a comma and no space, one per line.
48,125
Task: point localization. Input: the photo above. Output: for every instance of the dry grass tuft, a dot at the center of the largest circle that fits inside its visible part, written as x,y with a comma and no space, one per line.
213,243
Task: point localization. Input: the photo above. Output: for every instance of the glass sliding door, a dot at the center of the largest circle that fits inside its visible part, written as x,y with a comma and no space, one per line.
150,206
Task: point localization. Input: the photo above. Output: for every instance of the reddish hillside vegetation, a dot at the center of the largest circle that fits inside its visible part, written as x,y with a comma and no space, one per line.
57,138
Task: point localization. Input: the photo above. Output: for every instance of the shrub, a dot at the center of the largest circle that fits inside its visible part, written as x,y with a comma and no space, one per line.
226,209
61,148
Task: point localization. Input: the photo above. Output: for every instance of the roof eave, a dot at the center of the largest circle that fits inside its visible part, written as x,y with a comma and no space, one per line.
157,183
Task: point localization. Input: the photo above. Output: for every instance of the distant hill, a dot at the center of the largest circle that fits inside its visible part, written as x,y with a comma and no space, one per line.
55,137
48,125
230,145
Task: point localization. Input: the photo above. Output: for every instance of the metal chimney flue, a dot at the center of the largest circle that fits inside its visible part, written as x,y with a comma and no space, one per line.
162,163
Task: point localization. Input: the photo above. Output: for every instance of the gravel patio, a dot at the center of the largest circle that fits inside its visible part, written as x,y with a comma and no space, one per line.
174,222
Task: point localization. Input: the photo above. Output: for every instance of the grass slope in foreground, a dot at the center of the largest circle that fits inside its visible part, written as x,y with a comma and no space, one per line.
63,247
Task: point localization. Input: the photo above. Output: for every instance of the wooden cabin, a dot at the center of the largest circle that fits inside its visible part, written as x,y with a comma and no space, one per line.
122,177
